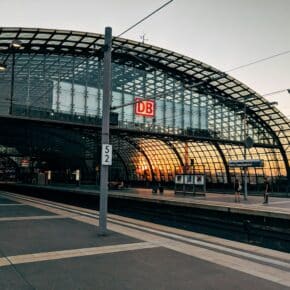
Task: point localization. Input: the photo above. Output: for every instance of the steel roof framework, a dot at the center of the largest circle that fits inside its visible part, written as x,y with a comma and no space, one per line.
76,57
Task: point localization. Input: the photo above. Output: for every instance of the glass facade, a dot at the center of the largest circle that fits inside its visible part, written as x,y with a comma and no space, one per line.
202,114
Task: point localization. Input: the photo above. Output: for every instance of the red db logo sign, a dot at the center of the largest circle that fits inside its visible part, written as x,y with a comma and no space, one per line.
145,108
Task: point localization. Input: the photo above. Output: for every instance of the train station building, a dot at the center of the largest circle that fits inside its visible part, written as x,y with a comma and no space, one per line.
193,117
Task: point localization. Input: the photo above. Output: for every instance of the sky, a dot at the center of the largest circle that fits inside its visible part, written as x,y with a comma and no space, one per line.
222,33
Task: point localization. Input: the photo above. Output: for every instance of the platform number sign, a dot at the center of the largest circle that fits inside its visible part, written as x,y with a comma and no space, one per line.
107,151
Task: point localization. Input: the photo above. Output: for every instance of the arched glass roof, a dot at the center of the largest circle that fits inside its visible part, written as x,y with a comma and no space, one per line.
195,76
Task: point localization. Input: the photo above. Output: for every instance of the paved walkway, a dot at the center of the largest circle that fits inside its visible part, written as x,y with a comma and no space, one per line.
48,245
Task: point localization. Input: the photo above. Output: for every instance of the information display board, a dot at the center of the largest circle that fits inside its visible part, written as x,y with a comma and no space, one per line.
179,179
246,163
190,184
199,179
190,179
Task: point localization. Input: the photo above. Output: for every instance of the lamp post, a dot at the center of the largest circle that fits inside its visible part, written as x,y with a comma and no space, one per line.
12,84
248,143
15,44
245,151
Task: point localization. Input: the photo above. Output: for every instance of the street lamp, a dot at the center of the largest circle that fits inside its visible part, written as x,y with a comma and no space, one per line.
248,143
247,140
14,45
3,67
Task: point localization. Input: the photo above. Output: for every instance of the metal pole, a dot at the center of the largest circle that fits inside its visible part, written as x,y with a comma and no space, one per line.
12,83
245,152
107,88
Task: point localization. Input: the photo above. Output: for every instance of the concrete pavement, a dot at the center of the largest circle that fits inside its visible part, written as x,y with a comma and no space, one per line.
56,246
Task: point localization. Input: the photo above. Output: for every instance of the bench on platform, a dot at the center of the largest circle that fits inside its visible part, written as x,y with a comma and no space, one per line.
116,185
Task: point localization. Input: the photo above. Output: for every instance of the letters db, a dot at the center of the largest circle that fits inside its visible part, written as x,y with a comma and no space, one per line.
145,108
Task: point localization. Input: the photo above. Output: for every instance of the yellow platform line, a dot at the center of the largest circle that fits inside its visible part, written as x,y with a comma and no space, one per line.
28,218
56,255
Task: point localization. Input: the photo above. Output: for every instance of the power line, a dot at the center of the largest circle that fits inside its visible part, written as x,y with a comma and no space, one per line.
146,17
257,61
210,78
276,92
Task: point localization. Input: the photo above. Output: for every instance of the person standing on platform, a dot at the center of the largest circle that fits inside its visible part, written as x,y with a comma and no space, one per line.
238,188
154,186
160,187
267,190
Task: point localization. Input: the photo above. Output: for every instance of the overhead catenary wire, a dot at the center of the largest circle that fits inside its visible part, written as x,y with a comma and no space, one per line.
220,75
146,17
276,92
257,61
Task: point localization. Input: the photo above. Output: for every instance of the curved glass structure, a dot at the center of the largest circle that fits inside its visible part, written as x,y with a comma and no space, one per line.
202,114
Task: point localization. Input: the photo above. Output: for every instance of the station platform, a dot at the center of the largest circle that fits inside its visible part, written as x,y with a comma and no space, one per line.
278,207
50,245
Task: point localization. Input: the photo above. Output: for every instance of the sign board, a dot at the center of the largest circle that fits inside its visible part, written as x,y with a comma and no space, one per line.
49,175
107,153
246,163
249,142
179,179
188,179
24,163
77,175
199,179
114,118
144,107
